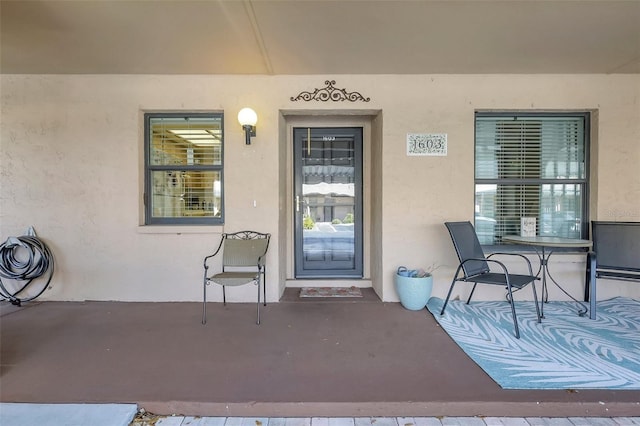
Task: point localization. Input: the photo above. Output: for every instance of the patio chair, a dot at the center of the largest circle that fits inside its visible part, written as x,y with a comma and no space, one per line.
475,268
243,262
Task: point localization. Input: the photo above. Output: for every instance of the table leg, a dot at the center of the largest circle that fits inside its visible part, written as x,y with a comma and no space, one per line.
542,273
545,291
546,273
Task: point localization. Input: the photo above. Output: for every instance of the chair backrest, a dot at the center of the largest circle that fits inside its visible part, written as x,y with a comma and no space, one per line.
465,240
244,248
616,244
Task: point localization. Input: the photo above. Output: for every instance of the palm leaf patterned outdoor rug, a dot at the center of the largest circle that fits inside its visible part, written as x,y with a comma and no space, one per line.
565,351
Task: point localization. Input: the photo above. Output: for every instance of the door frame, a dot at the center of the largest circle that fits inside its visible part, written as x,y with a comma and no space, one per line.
326,120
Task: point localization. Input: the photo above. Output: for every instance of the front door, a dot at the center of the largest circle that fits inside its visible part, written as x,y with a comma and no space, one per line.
328,202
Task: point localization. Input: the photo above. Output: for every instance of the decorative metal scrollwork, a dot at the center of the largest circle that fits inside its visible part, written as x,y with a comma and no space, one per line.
330,93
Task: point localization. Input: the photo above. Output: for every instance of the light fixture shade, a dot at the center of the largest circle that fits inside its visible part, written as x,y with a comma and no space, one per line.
247,117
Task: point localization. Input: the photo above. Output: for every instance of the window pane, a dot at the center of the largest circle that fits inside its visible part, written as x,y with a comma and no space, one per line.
530,148
186,141
179,193
561,212
563,154
557,208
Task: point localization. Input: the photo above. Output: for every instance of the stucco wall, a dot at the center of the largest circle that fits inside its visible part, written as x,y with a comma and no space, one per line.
71,160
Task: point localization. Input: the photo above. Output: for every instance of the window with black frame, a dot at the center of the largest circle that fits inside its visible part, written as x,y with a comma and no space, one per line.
531,165
184,168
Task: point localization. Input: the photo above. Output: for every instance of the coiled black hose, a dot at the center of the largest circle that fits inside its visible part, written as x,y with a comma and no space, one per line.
24,259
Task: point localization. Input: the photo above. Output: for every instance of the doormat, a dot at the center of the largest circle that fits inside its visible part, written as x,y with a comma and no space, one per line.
330,292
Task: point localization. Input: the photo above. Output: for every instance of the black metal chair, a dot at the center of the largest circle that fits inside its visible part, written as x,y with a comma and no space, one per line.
475,267
243,262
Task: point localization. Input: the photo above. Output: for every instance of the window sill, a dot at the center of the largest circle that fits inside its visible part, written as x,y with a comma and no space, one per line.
525,249
188,229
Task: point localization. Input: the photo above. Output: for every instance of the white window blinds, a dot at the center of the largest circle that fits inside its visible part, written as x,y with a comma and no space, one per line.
530,166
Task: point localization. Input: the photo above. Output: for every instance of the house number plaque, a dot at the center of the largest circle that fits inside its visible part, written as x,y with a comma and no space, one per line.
427,144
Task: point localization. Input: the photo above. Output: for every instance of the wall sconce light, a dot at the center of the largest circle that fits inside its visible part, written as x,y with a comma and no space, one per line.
248,118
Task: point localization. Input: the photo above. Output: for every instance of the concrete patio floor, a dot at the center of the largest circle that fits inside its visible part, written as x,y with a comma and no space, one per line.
312,358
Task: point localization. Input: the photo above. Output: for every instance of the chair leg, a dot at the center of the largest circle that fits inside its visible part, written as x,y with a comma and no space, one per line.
258,304
453,283
535,298
204,302
444,305
224,296
473,289
264,289
587,277
590,284
513,312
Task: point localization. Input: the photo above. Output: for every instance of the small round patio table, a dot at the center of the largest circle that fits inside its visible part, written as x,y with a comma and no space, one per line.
547,245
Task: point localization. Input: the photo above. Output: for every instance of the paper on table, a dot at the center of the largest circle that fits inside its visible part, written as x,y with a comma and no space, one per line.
528,226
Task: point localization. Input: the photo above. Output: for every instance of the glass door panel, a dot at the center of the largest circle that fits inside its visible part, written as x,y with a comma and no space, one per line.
328,202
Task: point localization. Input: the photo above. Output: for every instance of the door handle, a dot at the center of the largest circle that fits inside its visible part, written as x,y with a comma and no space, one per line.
297,203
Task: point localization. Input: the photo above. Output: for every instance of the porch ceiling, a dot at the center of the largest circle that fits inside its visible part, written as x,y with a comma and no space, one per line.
319,37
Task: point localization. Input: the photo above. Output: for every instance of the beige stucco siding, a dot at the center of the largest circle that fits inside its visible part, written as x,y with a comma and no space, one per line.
71,163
